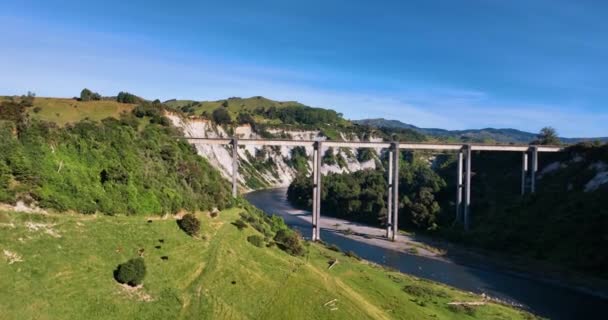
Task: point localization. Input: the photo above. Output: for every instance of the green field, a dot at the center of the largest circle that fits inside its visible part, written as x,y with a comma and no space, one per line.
67,263
63,111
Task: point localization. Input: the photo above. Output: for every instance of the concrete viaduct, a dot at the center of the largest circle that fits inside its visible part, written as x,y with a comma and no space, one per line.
463,192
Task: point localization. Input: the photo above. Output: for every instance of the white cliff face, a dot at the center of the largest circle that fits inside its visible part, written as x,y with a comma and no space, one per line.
276,172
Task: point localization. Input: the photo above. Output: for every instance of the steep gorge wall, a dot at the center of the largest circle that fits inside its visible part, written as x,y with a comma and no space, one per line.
264,166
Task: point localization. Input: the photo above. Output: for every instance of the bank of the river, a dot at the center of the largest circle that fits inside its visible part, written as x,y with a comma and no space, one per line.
451,266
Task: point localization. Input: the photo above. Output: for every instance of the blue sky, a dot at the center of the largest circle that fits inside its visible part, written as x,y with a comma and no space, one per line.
447,64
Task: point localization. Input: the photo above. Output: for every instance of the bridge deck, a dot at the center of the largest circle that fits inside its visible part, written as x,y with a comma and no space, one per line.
352,144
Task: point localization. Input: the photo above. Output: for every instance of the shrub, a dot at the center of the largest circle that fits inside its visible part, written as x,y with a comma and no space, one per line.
462,308
240,224
290,242
125,97
131,272
37,109
333,247
190,224
88,95
353,255
256,241
221,116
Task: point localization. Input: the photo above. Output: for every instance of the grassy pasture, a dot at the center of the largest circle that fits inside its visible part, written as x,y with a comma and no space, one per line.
63,111
67,262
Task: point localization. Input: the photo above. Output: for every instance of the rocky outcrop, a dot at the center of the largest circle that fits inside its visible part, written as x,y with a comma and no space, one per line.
264,166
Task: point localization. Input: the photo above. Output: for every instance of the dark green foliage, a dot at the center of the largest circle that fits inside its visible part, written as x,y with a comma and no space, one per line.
240,224
298,160
152,110
352,254
221,116
125,97
88,95
109,167
536,225
131,272
15,113
365,154
290,242
256,241
424,292
190,224
245,118
361,195
547,136
462,308
301,115
329,158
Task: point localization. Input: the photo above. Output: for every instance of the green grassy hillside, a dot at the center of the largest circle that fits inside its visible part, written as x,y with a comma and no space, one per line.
63,111
125,165
60,267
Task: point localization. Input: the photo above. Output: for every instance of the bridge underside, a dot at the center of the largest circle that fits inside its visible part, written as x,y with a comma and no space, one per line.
463,190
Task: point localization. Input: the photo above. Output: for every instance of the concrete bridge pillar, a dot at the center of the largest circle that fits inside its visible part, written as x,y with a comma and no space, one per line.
459,187
235,166
389,203
395,186
524,172
534,168
316,195
467,186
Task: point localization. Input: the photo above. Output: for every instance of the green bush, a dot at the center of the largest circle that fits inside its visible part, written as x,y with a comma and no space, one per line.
125,97
256,240
221,116
190,224
290,242
131,272
88,95
240,224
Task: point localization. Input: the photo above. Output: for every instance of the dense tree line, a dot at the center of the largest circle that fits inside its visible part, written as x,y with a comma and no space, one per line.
361,195
300,115
116,166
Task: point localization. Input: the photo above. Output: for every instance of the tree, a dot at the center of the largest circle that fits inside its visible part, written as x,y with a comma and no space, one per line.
245,118
190,224
221,116
88,95
131,272
547,135
126,97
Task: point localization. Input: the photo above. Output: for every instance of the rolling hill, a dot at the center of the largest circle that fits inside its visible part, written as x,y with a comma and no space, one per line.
471,135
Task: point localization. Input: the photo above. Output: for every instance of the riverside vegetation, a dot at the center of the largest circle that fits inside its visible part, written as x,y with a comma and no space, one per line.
108,172
533,226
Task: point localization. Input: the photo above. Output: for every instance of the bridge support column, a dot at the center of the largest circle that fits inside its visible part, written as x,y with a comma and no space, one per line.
235,166
459,187
316,196
395,147
314,193
389,203
467,187
524,172
533,169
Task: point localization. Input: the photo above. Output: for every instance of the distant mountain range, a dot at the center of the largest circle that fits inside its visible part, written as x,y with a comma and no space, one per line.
499,135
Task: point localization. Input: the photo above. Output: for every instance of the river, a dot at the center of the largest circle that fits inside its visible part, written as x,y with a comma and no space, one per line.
539,297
